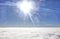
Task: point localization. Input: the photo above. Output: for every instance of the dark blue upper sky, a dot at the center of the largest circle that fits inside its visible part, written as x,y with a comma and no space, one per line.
47,15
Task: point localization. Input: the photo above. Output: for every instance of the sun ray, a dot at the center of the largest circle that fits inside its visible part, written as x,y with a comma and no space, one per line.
31,19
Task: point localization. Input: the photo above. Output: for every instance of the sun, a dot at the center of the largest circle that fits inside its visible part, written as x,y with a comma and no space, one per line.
25,6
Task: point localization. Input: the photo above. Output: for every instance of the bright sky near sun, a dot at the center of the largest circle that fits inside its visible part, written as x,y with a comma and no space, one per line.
30,12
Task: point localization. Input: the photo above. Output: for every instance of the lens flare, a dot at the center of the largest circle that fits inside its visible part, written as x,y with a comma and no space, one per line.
27,8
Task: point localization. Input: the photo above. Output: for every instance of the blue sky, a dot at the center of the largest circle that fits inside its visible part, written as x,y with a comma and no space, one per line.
48,14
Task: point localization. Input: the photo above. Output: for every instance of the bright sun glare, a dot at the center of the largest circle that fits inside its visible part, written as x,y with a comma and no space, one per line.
25,6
